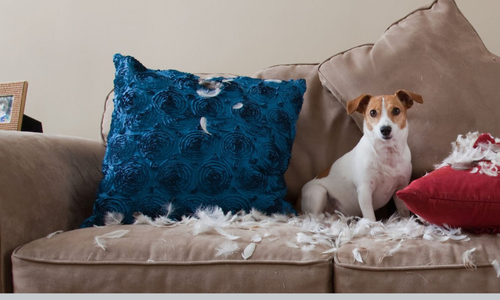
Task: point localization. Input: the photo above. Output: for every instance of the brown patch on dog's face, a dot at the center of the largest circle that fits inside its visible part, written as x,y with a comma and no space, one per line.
388,104
394,107
396,111
373,112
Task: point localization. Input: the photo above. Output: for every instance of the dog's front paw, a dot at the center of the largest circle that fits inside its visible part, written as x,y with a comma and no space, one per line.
404,212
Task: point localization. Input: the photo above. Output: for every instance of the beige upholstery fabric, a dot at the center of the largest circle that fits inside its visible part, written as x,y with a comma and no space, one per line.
419,266
151,259
47,183
434,52
325,131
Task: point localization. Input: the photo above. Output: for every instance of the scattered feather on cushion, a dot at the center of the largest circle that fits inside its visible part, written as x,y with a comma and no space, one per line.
178,143
464,190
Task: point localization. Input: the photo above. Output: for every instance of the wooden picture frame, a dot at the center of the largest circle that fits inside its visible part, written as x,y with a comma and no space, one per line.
12,100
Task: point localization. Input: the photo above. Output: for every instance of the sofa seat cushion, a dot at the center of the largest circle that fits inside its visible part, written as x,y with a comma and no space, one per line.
419,266
174,259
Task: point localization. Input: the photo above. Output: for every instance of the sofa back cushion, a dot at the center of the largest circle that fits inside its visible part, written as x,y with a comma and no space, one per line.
434,52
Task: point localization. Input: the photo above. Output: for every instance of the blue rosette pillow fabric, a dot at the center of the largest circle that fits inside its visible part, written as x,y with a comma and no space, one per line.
180,143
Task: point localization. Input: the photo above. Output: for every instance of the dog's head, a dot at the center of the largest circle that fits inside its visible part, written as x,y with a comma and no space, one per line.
385,116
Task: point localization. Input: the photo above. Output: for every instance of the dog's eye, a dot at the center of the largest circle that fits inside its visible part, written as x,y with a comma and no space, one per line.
396,111
373,113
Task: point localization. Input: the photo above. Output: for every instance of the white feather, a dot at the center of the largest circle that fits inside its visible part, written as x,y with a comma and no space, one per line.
331,250
54,233
392,251
100,240
467,259
248,252
164,221
113,218
238,105
256,238
203,124
210,88
141,219
292,245
226,234
395,249
205,93
496,266
226,249
308,248
207,219
431,237
303,238
357,254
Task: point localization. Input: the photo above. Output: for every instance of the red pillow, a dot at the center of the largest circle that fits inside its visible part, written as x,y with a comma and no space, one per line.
457,198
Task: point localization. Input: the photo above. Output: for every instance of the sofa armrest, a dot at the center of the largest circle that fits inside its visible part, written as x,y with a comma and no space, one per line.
47,183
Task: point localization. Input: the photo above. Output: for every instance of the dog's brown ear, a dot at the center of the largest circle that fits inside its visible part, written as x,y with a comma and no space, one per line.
408,97
359,104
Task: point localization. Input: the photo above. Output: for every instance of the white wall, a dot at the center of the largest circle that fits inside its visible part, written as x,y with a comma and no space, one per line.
64,48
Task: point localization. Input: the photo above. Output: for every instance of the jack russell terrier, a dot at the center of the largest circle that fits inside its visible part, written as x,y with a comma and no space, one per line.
364,179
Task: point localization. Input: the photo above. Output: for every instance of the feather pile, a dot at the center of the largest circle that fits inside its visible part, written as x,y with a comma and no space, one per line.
474,152
328,231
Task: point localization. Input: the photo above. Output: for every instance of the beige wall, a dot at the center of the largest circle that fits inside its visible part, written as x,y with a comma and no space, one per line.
64,48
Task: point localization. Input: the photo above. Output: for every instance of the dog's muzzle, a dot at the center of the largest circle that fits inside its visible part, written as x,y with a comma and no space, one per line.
386,132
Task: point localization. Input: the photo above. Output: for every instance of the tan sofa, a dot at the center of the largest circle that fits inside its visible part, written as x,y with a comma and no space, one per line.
48,185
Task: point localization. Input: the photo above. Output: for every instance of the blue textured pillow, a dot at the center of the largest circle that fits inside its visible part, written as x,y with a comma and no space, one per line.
193,143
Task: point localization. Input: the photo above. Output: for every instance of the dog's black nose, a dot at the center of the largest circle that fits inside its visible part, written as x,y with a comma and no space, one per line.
386,131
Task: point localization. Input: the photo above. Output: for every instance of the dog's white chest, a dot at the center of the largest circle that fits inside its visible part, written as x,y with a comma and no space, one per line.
391,169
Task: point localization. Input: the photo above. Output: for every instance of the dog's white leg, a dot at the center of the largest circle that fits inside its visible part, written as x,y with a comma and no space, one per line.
314,198
366,203
401,207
